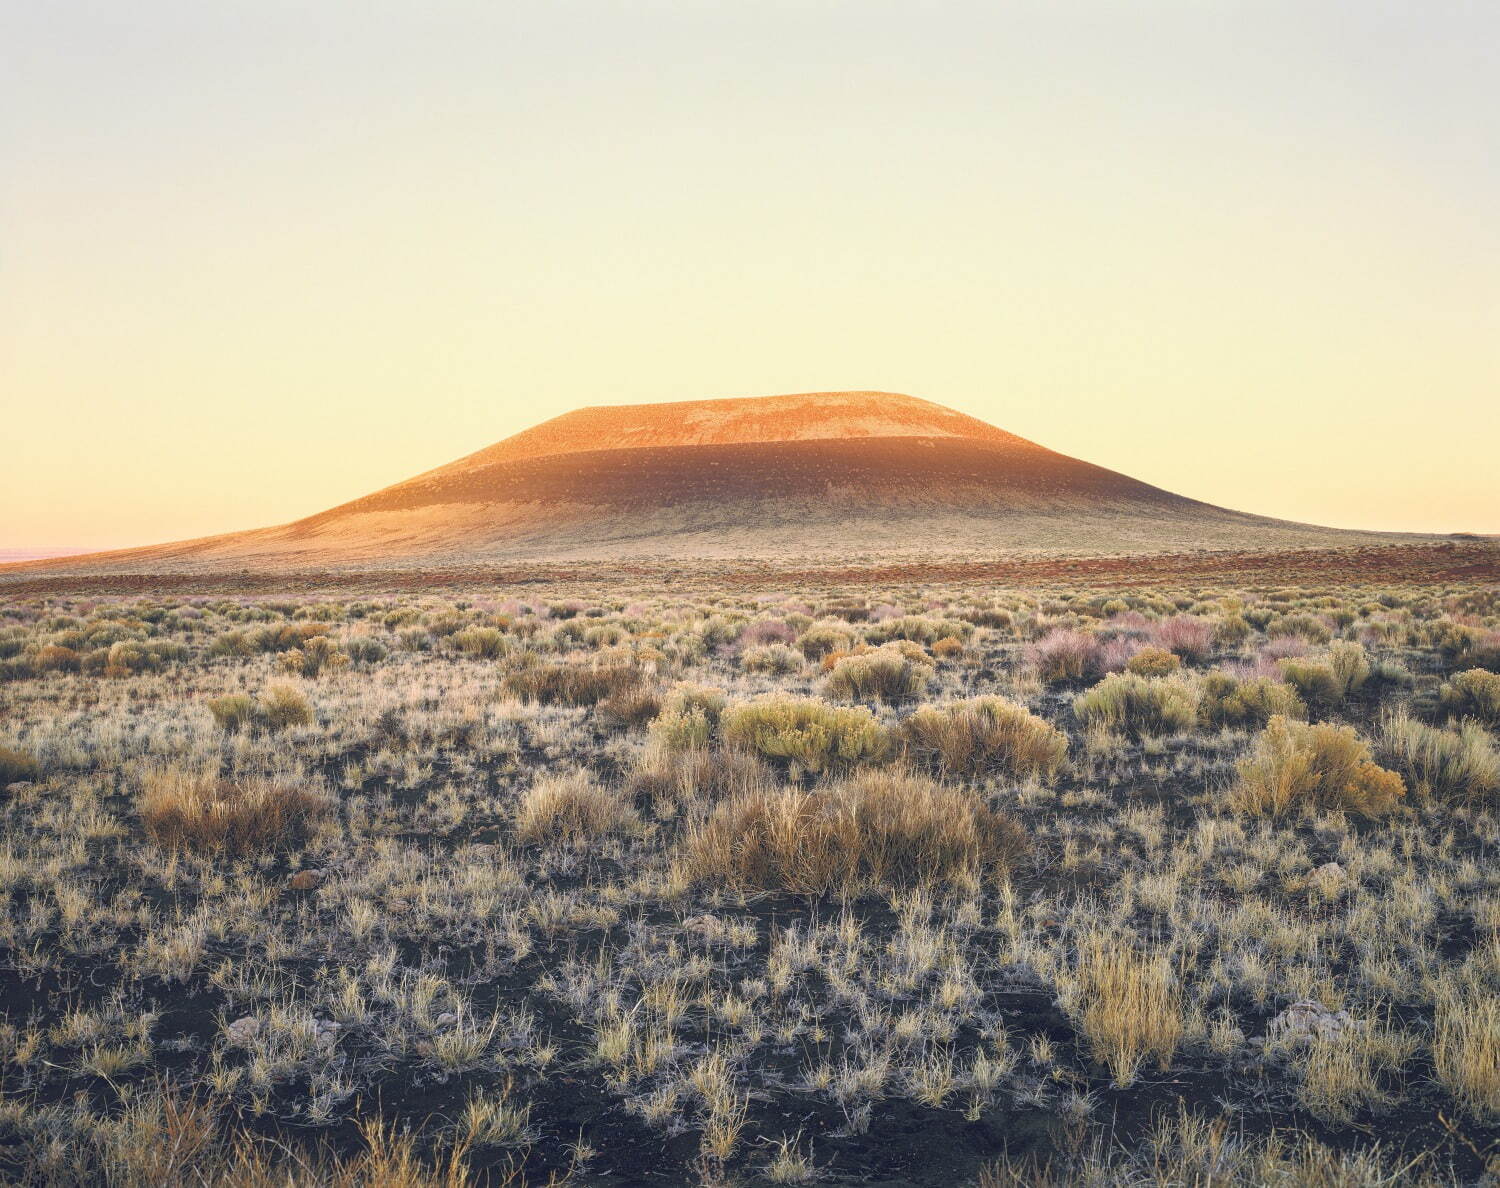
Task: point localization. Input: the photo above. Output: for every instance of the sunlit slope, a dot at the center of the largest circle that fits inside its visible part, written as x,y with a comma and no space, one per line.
841,474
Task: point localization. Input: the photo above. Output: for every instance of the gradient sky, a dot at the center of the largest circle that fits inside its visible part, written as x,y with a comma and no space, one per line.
259,258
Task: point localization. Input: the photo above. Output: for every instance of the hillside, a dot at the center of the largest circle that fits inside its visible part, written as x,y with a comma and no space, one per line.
844,475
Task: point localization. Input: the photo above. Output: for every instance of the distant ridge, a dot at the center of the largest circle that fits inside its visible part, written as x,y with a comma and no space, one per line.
831,475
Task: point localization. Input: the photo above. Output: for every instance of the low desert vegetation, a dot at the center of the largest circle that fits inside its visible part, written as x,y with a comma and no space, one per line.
805,734
1300,767
200,811
982,736
940,885
1138,706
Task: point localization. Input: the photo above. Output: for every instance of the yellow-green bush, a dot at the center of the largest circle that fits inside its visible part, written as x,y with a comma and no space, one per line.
806,733
1472,694
689,717
1138,706
1226,701
1295,766
775,659
884,674
817,641
1153,662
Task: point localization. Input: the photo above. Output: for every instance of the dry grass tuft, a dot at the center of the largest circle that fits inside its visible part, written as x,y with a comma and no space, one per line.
574,810
572,684
883,830
970,739
199,811
1130,1008
1466,1049
1459,766
16,766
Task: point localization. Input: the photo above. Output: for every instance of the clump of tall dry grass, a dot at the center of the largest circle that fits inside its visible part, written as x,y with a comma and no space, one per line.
572,809
1459,766
1129,1007
1466,1048
969,739
200,811
563,683
887,829
17,765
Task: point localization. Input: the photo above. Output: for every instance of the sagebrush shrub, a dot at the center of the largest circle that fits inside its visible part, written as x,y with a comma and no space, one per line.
919,629
1472,694
880,830
1227,701
479,643
316,656
282,706
689,717
1295,766
365,649
1231,631
1186,636
805,733
199,811
776,659
1309,628
1138,706
884,674
1153,662
970,739
817,641
234,711
1066,655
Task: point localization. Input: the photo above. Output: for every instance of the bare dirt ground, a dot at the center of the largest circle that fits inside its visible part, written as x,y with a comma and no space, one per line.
1466,560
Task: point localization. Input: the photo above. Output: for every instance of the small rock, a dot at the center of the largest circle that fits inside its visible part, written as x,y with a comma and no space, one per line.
306,880
1303,1022
328,1033
242,1031
446,1019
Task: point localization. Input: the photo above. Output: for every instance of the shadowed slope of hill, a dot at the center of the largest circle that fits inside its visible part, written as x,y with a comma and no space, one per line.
816,474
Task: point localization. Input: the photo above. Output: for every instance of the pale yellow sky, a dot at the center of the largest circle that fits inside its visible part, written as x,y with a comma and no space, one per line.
260,258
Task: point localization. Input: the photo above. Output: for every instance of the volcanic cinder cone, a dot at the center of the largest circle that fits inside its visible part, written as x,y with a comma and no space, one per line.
820,475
